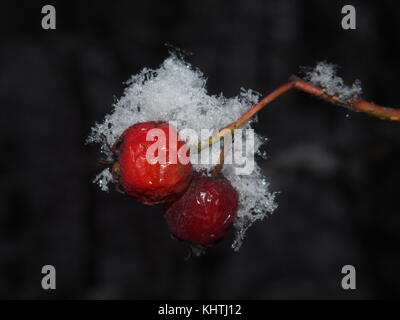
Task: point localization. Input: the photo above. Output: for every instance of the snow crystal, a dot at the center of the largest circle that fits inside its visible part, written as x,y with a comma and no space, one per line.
103,179
324,75
176,92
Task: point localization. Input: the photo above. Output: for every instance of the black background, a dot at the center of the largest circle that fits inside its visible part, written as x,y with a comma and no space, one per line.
337,172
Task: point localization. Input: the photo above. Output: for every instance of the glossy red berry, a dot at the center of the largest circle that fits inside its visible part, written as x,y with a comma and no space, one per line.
148,182
204,212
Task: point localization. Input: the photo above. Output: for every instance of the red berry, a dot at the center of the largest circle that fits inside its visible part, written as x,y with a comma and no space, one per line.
204,212
150,183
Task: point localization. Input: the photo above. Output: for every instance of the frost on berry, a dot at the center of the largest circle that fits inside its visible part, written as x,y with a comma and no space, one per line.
324,75
176,92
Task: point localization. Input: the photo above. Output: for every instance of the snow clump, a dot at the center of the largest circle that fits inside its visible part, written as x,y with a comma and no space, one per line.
176,93
324,75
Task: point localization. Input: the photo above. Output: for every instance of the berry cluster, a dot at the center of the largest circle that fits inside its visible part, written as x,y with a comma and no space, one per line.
201,203
199,208
176,93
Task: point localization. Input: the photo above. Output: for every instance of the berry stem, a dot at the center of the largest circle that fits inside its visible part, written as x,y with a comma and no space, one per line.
246,116
218,167
355,103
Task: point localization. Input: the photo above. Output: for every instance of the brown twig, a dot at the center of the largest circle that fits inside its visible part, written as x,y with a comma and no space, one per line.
355,103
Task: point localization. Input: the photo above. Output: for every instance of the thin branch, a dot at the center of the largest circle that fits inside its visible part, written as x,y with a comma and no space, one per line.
355,103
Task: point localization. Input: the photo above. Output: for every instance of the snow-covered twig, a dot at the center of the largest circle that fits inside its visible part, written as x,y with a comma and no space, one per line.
355,103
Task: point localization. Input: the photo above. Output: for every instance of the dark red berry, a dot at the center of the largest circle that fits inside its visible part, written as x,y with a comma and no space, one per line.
150,183
204,212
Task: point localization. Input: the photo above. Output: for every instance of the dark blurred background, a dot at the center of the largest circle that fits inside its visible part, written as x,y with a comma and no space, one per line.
337,172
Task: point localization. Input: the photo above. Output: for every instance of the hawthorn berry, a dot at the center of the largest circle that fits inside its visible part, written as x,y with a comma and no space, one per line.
204,212
150,183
